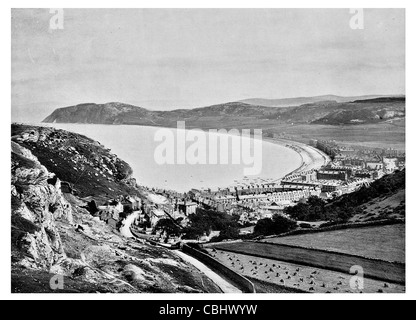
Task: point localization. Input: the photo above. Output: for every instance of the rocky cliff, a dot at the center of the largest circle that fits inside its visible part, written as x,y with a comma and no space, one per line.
52,234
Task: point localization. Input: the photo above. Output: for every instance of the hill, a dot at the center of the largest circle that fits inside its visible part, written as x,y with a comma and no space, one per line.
365,111
288,102
238,114
87,166
359,205
53,234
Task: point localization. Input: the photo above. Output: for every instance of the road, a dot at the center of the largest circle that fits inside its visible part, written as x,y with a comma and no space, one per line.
224,285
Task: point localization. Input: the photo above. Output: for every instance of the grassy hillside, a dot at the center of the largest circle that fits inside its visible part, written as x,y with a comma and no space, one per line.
353,206
53,233
381,242
234,113
290,102
85,164
367,122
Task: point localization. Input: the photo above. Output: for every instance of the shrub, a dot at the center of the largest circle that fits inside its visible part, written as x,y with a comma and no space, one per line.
278,225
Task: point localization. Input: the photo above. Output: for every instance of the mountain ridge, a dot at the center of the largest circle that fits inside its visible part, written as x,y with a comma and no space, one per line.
288,102
237,114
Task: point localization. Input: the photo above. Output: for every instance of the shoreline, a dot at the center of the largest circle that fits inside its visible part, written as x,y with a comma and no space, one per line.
310,158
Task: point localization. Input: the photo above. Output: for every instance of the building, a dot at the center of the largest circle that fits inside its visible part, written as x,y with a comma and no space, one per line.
330,187
374,165
332,175
187,207
155,216
130,204
390,164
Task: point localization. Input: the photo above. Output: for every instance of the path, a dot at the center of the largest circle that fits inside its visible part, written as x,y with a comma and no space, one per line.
224,285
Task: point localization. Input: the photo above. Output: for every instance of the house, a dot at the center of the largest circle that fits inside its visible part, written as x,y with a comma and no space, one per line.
156,215
374,165
188,208
130,204
111,210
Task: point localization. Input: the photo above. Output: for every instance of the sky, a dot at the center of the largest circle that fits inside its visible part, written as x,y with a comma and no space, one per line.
165,59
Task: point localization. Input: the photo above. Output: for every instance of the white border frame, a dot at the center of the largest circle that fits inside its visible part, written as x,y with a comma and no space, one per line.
5,21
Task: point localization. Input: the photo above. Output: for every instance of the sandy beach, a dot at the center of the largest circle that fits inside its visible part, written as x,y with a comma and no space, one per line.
312,158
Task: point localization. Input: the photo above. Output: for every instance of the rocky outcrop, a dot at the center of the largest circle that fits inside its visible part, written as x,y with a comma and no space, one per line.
53,234
82,164
37,202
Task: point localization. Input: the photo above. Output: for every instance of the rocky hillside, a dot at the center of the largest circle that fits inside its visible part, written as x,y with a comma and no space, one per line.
365,111
52,233
239,114
82,163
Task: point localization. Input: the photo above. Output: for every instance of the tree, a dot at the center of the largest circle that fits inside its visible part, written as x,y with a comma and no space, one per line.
167,226
278,225
204,221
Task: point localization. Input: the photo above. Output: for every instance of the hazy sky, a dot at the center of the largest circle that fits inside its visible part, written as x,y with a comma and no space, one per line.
171,58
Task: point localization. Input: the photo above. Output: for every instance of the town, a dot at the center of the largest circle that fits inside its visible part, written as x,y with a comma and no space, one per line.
250,200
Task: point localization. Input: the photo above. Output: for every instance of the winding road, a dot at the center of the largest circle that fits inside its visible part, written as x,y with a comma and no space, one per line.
224,285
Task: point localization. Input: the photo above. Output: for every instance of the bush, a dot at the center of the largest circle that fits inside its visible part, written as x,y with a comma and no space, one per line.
204,221
275,226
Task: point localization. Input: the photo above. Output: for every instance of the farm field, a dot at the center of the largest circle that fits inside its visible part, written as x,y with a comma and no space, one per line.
381,135
381,242
280,275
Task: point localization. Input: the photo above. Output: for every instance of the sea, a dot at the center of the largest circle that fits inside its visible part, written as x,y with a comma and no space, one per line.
140,148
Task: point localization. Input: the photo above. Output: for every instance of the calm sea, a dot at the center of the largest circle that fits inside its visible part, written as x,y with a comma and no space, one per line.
136,145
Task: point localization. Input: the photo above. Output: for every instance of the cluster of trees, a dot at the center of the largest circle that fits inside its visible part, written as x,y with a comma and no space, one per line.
169,227
277,225
204,221
343,208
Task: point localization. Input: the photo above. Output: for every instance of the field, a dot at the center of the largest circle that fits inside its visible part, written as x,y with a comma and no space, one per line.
385,242
381,135
274,276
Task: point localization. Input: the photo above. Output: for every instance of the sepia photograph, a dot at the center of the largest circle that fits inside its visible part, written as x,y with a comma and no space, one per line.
208,151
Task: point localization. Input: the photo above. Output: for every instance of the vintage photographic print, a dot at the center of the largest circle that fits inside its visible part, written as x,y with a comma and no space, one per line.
208,151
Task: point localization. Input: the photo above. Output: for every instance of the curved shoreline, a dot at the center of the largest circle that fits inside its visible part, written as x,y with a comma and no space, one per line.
311,157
